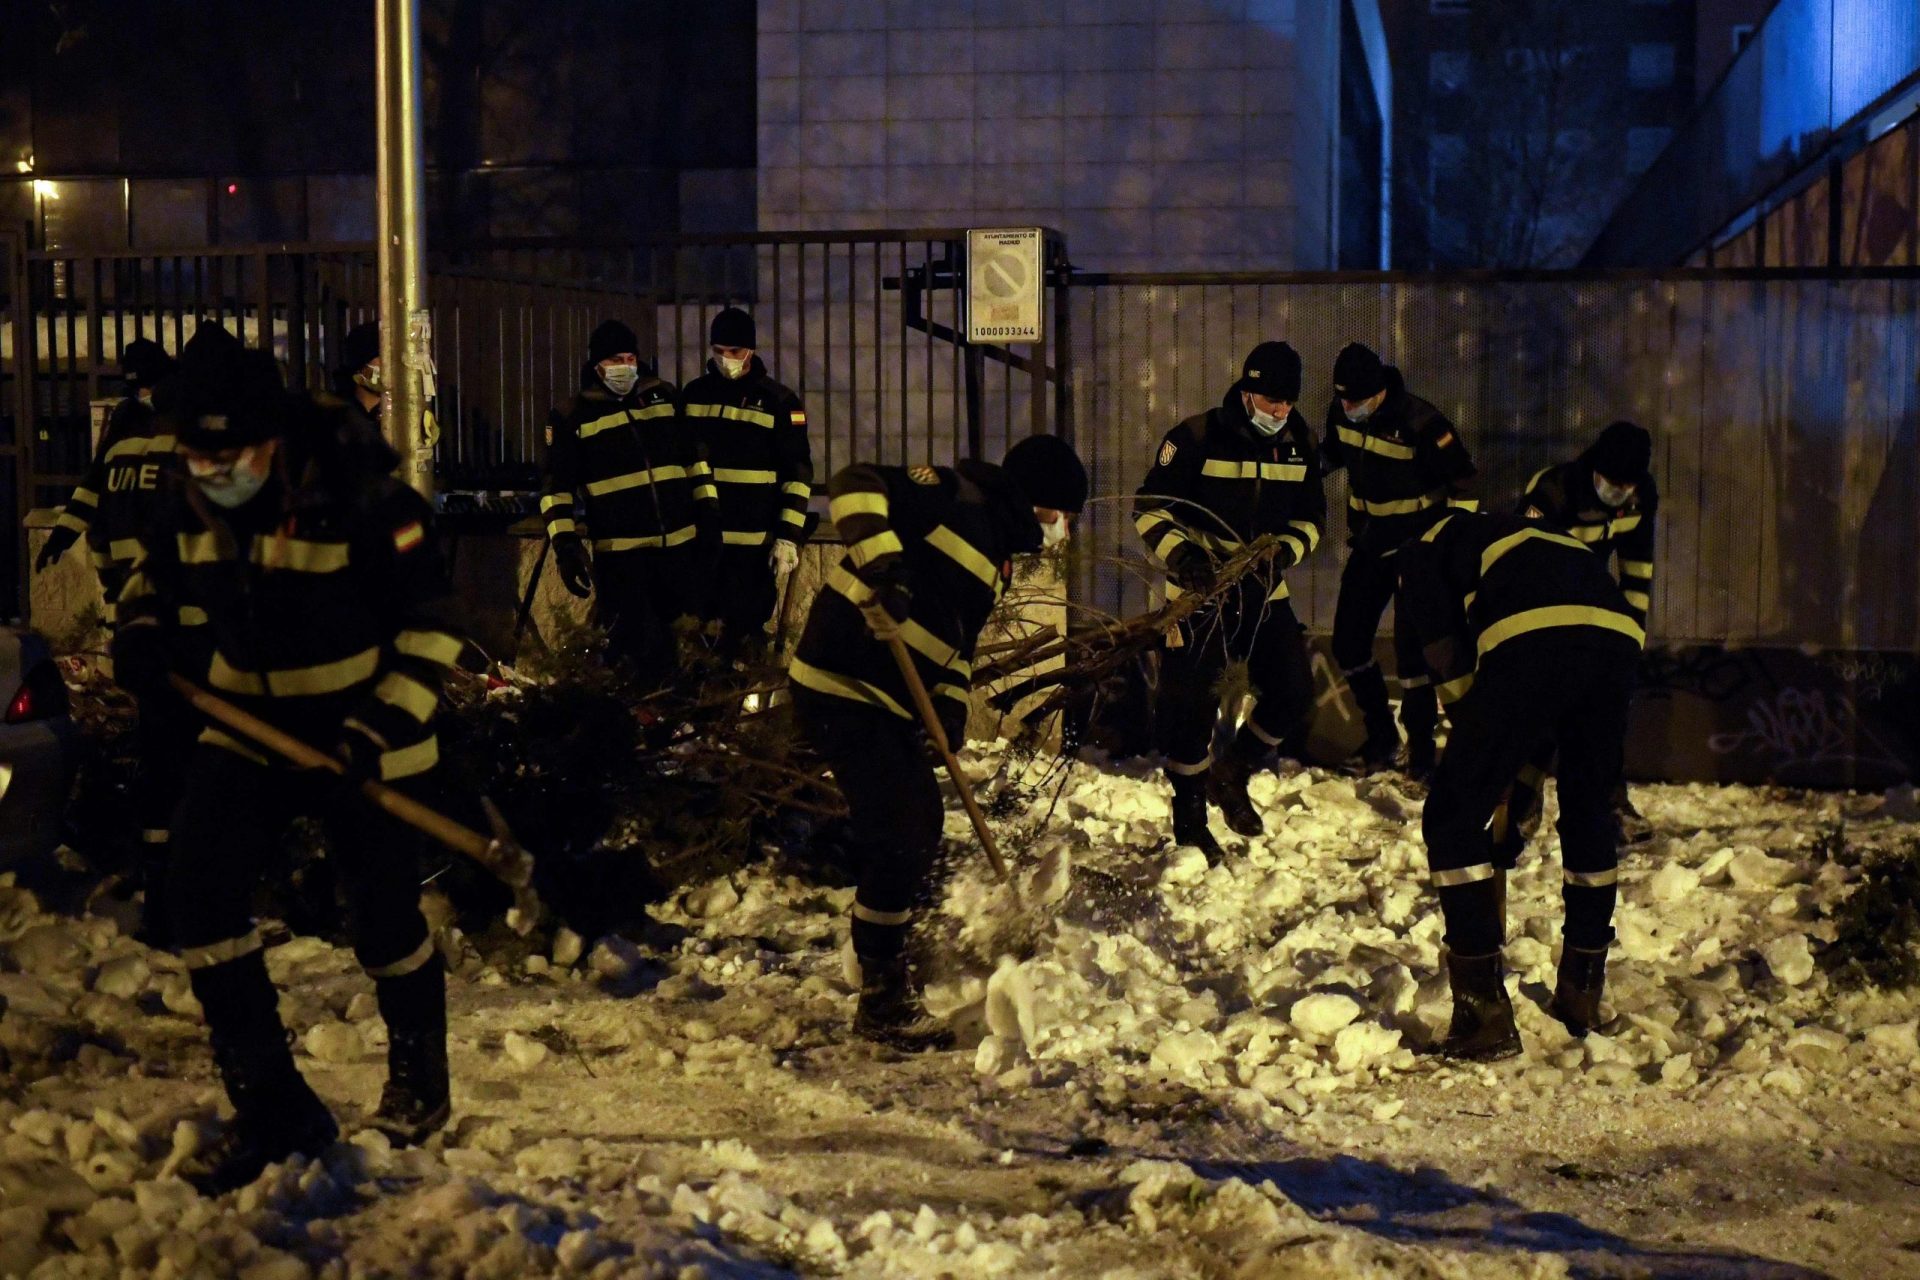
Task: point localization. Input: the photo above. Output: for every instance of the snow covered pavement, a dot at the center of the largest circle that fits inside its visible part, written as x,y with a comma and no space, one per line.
1169,1070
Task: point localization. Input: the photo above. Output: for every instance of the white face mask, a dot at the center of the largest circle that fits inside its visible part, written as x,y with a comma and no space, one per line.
369,378
231,484
1052,535
1359,412
1263,422
731,367
1613,495
620,378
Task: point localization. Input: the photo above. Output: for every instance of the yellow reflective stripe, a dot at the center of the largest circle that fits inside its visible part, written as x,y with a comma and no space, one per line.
139,445
705,493
198,548
125,549
1639,600
295,682
964,554
1299,548
564,525
1454,690
1558,615
798,488
865,552
214,953
1463,875
85,495
549,501
857,504
1466,601
863,912
739,475
1592,879
1185,770
1419,681
1496,549
634,479
1637,568
1535,479
407,761
300,555
193,616
789,516
811,677
942,654
1438,525
744,538
1280,592
433,646
408,694
1222,469
1464,504
955,692
212,737
99,559
843,581
1625,524
731,413
673,539
1308,530
1588,532
1368,443
68,520
700,468
1398,507
608,422
223,675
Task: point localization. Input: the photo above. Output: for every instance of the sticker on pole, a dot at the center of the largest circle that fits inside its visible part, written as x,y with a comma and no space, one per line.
1003,284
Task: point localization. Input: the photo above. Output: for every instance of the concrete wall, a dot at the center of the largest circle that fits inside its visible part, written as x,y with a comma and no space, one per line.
1158,134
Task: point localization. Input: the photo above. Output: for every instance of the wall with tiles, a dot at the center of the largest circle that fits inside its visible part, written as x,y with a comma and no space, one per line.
1158,134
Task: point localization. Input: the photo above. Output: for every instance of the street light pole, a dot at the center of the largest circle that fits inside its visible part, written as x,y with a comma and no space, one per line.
406,326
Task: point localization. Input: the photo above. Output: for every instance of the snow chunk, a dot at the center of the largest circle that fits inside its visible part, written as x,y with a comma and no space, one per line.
1362,1043
1752,869
551,1158
1010,1014
1322,1014
712,899
1790,958
126,977
1899,1041
335,1042
524,1051
1187,866
568,947
1186,1053
1673,882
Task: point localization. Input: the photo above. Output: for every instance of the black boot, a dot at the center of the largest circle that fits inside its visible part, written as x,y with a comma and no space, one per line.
890,1011
1634,827
1190,816
1369,688
415,1102
1482,1029
1227,785
276,1116
1578,988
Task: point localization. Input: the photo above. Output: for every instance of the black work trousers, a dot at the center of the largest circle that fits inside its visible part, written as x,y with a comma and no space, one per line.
743,598
231,819
884,769
640,597
1244,626
1564,690
1367,586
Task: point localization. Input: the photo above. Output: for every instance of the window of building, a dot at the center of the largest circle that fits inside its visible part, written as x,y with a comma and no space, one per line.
1447,71
1650,66
1644,146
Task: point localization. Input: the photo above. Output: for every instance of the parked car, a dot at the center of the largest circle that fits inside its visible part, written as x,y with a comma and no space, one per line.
39,747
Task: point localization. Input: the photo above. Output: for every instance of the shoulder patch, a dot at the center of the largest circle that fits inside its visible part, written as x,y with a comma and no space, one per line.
408,536
1167,451
1443,441
1535,513
799,416
923,475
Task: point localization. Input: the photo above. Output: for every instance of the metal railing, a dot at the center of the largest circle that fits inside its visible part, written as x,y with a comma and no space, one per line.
1814,71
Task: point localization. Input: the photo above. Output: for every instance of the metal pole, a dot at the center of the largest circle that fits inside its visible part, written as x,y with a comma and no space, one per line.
406,325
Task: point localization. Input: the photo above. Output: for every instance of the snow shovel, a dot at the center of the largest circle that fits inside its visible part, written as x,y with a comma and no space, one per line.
501,855
931,719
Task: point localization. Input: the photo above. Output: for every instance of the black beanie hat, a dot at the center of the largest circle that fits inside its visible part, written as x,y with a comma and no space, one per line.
144,362
1048,472
731,328
227,396
1272,369
1358,373
1623,453
360,348
611,339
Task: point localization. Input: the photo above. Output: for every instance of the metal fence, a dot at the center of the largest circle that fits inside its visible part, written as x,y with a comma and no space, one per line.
1784,407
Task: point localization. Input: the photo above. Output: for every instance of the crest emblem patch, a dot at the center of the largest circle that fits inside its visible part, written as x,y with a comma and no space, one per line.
1166,453
923,475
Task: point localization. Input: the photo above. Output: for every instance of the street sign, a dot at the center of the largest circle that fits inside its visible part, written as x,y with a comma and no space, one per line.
1004,275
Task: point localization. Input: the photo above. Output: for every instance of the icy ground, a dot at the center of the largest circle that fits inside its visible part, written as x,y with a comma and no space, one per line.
1184,1072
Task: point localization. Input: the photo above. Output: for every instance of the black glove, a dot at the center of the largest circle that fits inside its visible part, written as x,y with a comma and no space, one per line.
359,752
140,661
953,721
706,538
576,567
1191,567
891,600
55,546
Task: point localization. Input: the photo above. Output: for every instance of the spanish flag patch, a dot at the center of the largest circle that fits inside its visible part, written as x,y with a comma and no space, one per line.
408,536
799,417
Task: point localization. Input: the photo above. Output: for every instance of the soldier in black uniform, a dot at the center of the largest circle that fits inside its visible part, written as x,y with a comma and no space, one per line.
1607,499
112,508
330,613
929,553
1406,464
1532,647
357,380
1243,470
755,432
649,503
